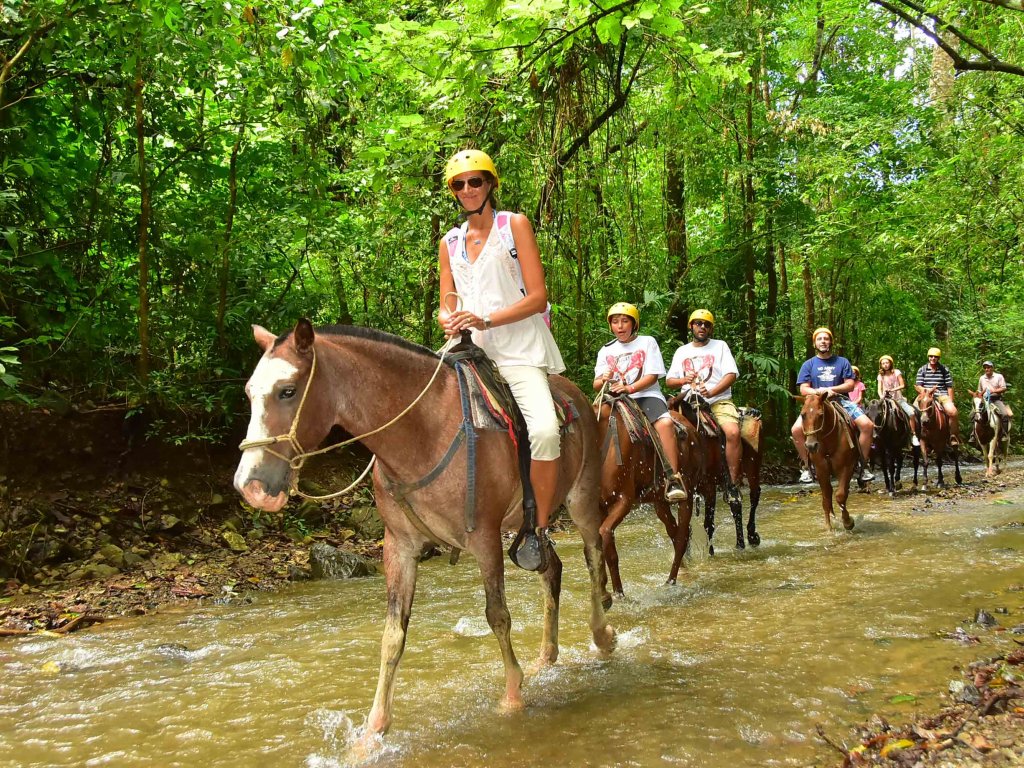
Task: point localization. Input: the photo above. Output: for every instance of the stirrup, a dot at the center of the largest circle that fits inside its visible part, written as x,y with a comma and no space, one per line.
674,489
529,551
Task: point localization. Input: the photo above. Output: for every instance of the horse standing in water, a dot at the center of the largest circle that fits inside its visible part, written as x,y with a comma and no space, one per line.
892,431
935,438
832,446
988,432
362,379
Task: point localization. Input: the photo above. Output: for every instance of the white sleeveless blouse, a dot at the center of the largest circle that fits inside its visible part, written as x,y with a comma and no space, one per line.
491,283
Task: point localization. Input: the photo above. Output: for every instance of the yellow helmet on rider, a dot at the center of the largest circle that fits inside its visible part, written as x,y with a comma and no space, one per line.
856,371
822,329
469,160
701,314
883,358
935,351
627,309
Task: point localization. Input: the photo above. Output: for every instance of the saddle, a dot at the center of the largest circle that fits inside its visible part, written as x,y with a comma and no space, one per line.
697,410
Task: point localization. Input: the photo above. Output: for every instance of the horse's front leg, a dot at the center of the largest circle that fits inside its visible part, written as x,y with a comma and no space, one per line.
940,483
492,570
710,499
551,581
956,466
736,509
990,472
617,511
825,483
754,483
681,531
400,565
843,491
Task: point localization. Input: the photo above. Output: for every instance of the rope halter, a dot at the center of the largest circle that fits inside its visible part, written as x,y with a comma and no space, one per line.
296,462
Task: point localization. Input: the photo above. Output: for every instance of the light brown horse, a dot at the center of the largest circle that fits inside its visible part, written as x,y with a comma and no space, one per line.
832,446
365,378
935,438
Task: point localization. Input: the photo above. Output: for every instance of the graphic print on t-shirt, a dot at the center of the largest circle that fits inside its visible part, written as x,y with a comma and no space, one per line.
702,365
826,374
628,366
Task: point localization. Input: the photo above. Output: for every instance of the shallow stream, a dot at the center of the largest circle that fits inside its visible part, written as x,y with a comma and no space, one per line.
733,667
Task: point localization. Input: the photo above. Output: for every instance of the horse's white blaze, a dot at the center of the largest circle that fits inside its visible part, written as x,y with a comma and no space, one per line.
270,372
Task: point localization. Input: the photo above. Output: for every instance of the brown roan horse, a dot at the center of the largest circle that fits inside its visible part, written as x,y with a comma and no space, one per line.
935,438
989,433
365,378
832,447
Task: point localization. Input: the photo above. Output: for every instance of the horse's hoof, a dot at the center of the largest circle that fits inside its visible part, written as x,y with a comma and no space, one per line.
848,525
711,549
606,601
740,544
670,582
511,705
754,539
604,639
366,748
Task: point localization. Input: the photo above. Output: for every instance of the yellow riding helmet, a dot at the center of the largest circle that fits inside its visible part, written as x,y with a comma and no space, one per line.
469,160
625,308
701,314
822,329
883,358
935,351
856,370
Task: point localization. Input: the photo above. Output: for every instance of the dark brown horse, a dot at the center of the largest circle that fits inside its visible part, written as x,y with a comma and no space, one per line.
832,446
892,431
935,438
713,472
988,432
362,380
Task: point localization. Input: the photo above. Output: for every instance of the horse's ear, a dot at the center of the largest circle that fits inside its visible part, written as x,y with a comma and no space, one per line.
263,337
304,336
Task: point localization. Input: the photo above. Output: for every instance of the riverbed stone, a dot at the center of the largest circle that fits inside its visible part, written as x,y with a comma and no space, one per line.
327,562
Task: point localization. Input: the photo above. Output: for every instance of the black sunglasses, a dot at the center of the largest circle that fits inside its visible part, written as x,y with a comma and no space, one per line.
701,323
475,182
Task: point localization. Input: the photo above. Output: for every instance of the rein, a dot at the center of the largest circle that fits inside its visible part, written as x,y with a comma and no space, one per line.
299,459
811,432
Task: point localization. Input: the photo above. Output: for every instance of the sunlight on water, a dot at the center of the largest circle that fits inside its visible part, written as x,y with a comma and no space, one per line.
733,666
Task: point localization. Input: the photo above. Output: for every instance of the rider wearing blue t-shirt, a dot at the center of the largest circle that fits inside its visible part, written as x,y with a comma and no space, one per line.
828,372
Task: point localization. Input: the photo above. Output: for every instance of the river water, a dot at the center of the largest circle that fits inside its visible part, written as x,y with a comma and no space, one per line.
735,666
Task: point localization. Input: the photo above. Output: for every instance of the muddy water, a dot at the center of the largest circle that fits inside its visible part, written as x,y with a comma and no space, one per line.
734,667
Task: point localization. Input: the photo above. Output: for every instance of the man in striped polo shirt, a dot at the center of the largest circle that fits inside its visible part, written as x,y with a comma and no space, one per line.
935,374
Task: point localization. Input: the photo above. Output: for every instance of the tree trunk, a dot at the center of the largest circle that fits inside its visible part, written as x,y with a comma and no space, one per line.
144,216
676,236
225,251
808,298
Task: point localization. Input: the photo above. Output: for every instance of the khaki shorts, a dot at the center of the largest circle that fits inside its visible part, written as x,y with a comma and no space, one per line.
725,411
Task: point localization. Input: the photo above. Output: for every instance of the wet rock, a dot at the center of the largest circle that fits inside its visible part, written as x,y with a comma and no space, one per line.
296,573
131,559
1018,630
111,554
171,524
235,541
967,694
984,618
174,651
327,562
93,571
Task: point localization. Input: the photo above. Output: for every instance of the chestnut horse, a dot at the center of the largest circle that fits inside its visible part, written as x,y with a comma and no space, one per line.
362,379
832,446
988,432
630,475
892,431
935,438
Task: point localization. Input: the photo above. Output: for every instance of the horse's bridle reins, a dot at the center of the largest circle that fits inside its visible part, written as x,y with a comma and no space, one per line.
296,462
826,403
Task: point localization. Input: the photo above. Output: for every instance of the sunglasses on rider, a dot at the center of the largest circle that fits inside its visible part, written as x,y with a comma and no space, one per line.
701,323
475,182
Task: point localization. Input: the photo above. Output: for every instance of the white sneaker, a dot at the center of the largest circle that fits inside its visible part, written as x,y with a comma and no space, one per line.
866,476
914,441
805,476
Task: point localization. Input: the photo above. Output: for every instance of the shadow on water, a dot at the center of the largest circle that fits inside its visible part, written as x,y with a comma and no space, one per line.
734,666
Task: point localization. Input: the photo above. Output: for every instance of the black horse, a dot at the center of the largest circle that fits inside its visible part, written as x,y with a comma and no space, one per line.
892,431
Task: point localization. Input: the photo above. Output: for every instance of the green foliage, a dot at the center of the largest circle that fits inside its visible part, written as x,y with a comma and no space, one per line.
800,134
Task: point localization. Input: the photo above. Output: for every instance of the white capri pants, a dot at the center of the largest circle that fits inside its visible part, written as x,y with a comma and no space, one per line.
530,388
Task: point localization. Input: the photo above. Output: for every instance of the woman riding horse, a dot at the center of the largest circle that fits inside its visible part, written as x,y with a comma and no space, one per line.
503,300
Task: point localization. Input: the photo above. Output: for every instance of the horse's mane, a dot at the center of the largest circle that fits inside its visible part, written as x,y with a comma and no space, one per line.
370,334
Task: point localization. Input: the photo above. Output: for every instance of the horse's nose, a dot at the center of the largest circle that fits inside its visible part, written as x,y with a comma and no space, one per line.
812,445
